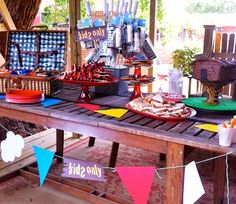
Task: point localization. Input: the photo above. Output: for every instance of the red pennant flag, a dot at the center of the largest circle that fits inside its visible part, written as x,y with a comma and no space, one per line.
138,181
88,106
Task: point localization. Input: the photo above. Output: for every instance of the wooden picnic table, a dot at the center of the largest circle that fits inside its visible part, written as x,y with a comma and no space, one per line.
167,137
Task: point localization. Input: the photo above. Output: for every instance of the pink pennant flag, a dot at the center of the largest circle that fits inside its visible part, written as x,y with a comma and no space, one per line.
138,181
88,106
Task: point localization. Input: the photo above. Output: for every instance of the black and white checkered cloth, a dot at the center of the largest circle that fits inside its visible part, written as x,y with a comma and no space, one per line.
49,41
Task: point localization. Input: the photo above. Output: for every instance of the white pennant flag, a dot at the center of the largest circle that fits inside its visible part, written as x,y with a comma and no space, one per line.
193,188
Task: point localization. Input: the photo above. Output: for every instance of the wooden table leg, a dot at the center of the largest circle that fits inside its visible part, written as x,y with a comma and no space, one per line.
91,141
174,180
114,153
219,180
59,144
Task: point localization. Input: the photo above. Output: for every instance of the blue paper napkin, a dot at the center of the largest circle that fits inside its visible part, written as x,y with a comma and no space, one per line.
50,102
2,96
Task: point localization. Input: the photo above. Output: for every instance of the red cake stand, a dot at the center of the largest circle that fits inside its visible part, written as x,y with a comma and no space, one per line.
85,94
137,82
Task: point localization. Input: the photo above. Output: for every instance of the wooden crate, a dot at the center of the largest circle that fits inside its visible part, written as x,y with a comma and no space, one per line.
35,49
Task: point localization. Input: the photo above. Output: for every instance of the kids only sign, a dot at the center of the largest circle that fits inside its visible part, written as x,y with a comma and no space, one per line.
88,34
83,170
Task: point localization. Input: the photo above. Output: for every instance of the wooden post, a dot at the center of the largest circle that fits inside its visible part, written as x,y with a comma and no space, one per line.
75,15
6,15
152,33
208,40
59,144
219,181
174,180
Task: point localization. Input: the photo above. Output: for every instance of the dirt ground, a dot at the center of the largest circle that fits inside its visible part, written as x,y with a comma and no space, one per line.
22,191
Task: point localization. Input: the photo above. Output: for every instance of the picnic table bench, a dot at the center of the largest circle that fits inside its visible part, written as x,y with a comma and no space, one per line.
167,137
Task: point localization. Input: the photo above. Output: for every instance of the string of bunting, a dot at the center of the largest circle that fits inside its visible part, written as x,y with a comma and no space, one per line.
137,180
188,196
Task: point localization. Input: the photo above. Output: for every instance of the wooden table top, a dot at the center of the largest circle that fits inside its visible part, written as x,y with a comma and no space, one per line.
182,132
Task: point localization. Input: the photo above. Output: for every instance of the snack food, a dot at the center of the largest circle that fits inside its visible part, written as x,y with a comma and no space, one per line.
155,105
91,73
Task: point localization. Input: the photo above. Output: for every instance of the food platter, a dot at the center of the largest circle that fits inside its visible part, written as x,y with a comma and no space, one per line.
192,113
157,107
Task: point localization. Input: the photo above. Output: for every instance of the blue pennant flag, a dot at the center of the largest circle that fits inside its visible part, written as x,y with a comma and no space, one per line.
50,102
44,159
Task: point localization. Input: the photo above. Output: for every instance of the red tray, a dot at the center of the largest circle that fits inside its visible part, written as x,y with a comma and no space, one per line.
193,112
91,83
24,96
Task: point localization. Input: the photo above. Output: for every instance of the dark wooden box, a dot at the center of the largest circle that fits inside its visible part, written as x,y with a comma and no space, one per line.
32,49
214,70
119,88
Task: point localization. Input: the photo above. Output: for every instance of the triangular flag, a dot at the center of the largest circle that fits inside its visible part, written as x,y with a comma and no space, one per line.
117,113
209,127
138,181
88,106
44,159
193,188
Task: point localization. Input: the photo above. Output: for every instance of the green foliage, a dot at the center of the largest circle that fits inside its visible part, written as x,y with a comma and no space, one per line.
182,59
59,13
144,6
212,6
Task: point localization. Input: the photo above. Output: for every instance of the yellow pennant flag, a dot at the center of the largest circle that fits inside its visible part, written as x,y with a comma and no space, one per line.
119,112
209,127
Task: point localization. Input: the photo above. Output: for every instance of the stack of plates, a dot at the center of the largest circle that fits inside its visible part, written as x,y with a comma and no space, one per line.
24,96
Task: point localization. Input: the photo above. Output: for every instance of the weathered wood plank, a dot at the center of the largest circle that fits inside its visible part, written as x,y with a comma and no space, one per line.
155,123
182,126
168,125
224,42
143,121
193,130
175,157
133,119
231,43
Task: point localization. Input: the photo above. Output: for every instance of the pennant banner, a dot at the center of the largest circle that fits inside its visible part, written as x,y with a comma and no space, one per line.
193,188
44,159
88,106
138,181
117,113
209,127
83,170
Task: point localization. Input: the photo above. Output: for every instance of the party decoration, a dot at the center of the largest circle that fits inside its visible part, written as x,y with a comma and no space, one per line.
193,188
83,170
50,102
89,106
11,147
44,159
98,33
208,127
138,181
117,113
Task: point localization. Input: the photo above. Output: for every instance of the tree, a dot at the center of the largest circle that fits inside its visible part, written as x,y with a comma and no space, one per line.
59,13
212,6
23,12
